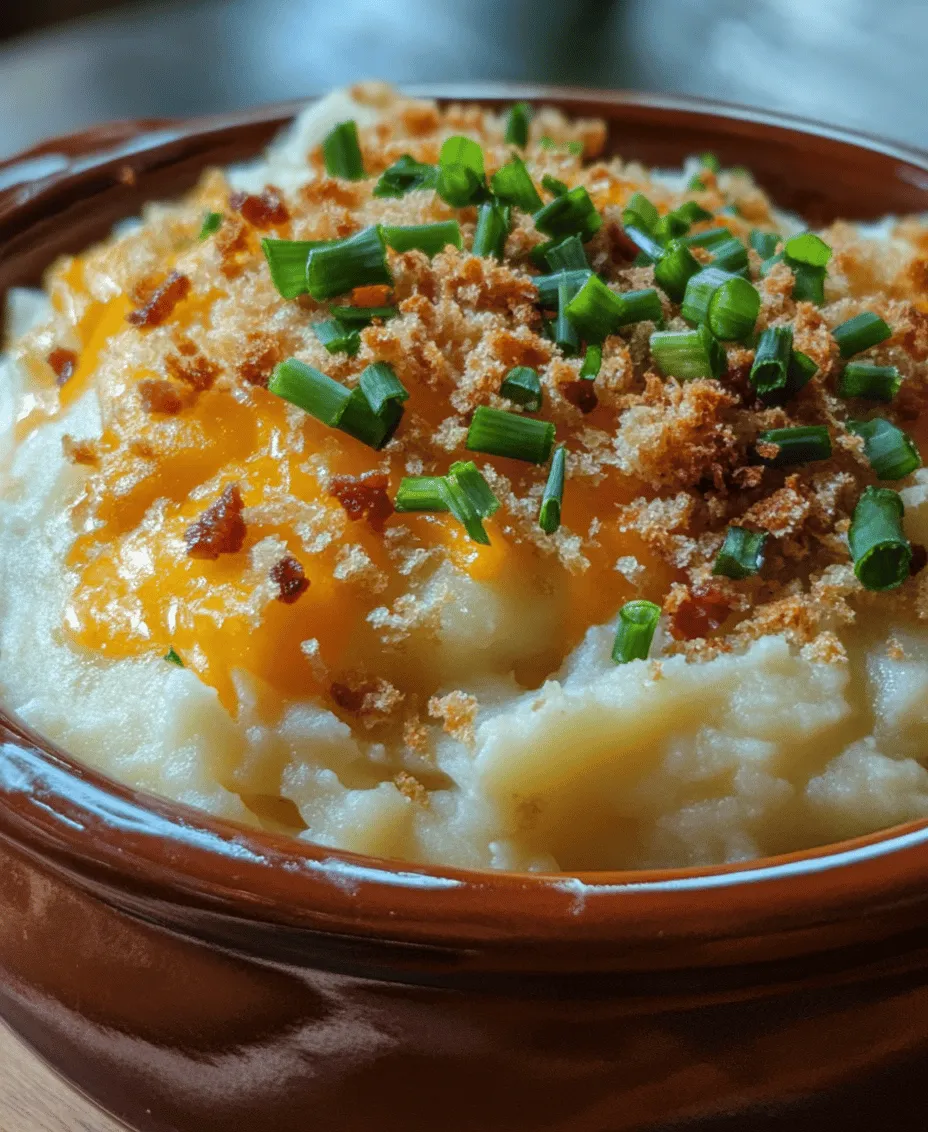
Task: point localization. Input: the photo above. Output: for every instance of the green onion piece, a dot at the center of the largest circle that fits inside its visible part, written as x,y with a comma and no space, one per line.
422,493
639,212
287,260
539,253
802,369
460,171
695,184
675,268
769,264
742,554
699,293
338,338
807,248
764,243
521,385
801,445
882,554
688,354
361,316
464,492
733,309
461,150
360,421
892,453
594,310
517,122
171,656
472,482
708,239
405,176
565,333
314,392
553,186
651,250
592,362
770,370
875,383
575,147
380,385
641,306
635,634
505,434
513,185
572,213
710,161
549,514
342,152
860,333
731,255
692,212
492,230
428,238
548,284
212,222
678,222
567,255
808,283
340,266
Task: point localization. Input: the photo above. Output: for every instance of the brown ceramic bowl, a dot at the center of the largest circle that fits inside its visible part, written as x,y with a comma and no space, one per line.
193,976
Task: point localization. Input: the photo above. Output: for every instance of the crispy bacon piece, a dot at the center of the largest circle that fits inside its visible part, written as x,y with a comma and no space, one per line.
161,303
159,396
64,363
264,211
194,370
259,357
220,529
699,615
364,497
919,559
581,394
288,576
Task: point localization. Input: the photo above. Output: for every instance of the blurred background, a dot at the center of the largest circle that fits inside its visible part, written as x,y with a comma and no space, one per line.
65,64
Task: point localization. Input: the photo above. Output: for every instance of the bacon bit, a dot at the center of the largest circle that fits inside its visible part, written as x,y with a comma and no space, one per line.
159,396
581,394
364,497
220,529
261,355
162,302
265,211
196,371
79,451
288,576
698,615
64,363
919,559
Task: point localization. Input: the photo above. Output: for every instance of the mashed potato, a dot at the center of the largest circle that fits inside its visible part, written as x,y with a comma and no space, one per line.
380,682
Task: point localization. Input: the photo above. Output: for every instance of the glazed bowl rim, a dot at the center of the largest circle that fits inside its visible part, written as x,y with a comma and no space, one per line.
109,835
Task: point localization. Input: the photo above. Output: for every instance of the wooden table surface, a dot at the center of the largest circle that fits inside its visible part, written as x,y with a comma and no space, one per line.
33,1099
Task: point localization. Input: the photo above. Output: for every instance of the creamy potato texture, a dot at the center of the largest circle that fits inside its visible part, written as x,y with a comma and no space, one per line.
380,682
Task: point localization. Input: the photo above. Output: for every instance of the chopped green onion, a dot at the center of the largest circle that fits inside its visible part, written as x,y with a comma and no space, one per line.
565,332
688,354
635,634
422,493
461,150
338,338
731,255
764,243
358,261
521,385
373,429
553,186
361,316
802,369
651,250
770,370
801,445
675,268
287,260
505,434
875,383
380,385
575,147
678,222
639,212
464,492
708,239
574,212
513,185
860,333
472,482
807,248
597,312
733,309
892,453
517,122
539,253
173,658
710,161
699,293
342,152
742,554
808,283
212,222
882,554
547,142
695,184
492,230
428,238
405,176
548,284
549,514
567,255
592,362
460,171
641,306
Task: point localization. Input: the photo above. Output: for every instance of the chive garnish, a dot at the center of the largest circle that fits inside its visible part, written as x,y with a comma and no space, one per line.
650,250
548,284
522,387
381,385
640,213
874,383
340,266
802,369
342,152
460,171
807,255
570,214
770,370
892,453
553,186
421,493
492,229
463,491
730,255
287,260
764,243
679,221
517,123
801,445
171,656
699,292
881,553
566,336
635,634
567,255
505,434
726,303
688,354
549,514
592,362
428,238
361,316
212,222
405,176
337,337
675,268
710,238
596,311
860,333
710,161
741,555
513,185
